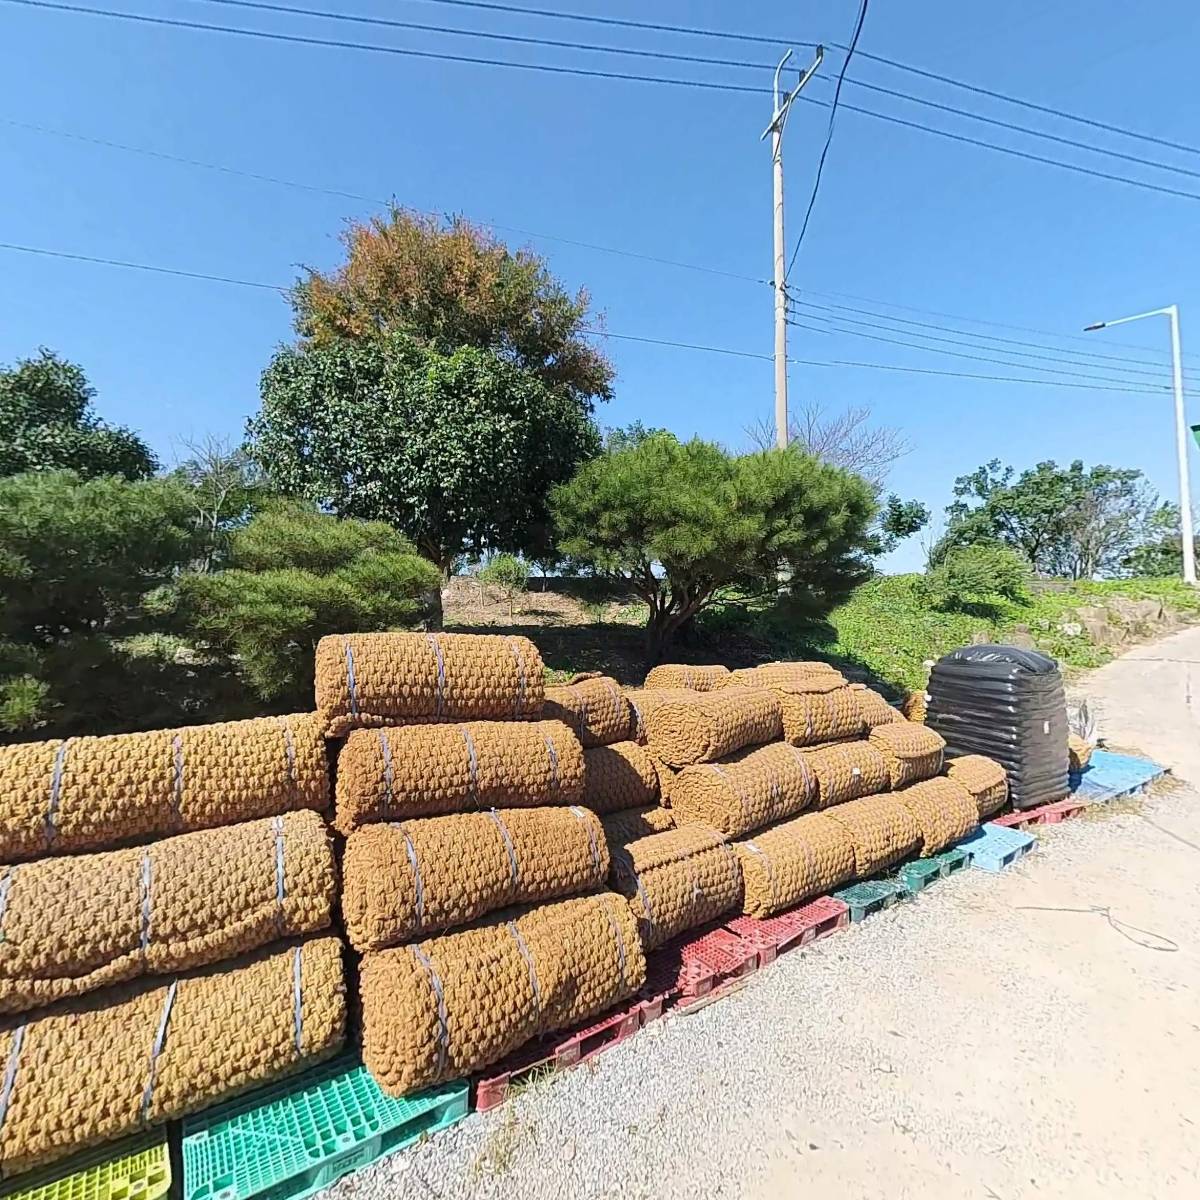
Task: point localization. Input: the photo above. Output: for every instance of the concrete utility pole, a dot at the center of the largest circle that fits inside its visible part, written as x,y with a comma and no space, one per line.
775,130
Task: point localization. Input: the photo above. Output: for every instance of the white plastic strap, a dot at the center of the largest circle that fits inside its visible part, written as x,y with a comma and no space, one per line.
766,862
297,1001
389,780
515,647
514,868
582,817
156,1048
645,899
280,874
10,1071
737,795
5,883
177,791
533,979
639,725
146,880
553,765
289,743
60,757
351,688
443,1034
472,766
411,851
616,932
441,671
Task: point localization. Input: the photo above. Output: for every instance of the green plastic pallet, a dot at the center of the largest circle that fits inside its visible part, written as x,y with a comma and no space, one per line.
135,1169
871,896
921,872
289,1140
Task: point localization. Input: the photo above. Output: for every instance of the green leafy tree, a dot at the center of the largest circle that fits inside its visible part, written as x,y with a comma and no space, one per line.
509,575
1067,521
47,424
978,575
78,560
458,451
294,575
448,285
680,523
1160,552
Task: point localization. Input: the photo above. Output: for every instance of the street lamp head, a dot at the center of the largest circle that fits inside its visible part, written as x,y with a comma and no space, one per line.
1093,328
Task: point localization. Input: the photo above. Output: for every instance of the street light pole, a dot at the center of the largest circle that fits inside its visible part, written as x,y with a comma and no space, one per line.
1181,431
775,130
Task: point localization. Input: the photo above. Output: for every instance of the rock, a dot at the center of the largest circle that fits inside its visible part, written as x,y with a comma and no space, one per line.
1097,625
1020,637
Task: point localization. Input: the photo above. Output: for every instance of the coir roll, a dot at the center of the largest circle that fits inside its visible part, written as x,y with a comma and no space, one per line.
704,726
619,776
682,675
792,861
594,707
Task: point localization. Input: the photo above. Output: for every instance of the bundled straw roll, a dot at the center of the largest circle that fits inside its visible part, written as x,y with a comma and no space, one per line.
405,881
680,675
790,862
744,792
846,771
912,752
594,707
431,770
710,725
98,793
984,778
458,1003
881,829
945,811
71,925
97,1068
619,776
677,880
370,679
873,708
621,828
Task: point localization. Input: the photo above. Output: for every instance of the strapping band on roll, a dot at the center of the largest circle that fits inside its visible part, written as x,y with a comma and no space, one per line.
737,795
5,883
289,745
280,878
298,1001
472,766
582,817
776,796
156,1049
639,725
60,757
618,699
10,1071
616,932
443,1035
766,862
389,778
441,671
411,851
515,647
533,979
514,870
809,786
177,789
146,879
351,687
644,897
553,765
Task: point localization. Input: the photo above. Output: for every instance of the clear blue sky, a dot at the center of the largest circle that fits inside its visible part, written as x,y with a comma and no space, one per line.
902,217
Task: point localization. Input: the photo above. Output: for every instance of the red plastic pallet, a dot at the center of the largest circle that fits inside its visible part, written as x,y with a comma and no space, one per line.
557,1052
1044,814
797,927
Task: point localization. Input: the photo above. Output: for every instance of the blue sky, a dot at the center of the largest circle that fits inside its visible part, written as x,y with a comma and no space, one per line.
902,217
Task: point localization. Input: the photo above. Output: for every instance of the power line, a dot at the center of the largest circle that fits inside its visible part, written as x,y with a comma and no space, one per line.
703,60
833,107
730,35
1132,387
547,68
822,311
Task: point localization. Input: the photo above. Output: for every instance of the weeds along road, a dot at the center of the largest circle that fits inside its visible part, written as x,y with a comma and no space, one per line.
1032,1034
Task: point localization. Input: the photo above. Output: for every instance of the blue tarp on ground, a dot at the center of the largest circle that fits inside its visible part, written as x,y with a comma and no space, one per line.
1110,775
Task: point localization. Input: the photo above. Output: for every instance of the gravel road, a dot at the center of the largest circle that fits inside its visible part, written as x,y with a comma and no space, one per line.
1032,1034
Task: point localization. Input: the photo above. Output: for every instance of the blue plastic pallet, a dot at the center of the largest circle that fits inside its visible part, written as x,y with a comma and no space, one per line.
294,1138
1110,775
871,896
994,847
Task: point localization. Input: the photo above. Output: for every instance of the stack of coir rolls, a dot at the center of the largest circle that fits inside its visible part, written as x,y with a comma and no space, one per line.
848,789
460,792
164,911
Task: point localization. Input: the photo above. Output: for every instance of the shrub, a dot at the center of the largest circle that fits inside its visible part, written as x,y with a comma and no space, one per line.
978,574
508,574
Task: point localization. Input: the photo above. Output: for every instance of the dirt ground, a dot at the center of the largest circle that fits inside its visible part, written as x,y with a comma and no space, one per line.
1032,1034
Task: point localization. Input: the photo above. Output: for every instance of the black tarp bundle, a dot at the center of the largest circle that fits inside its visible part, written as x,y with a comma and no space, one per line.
1009,704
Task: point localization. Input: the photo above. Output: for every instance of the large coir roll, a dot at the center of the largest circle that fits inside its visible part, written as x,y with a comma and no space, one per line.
621,828
431,770
984,778
873,708
912,752
783,674
619,776
881,829
369,679
72,925
704,726
90,1070
594,707
817,709
677,880
846,771
787,864
408,880
681,675
945,811
455,1004
745,791
644,701
98,793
